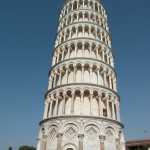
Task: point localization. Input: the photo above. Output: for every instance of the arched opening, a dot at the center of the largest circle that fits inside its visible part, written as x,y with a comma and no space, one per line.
77,102
70,147
86,102
68,103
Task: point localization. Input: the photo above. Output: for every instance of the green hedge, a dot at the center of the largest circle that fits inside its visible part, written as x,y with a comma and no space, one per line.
27,148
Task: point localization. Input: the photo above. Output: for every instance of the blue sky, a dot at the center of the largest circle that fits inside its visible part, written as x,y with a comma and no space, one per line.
27,31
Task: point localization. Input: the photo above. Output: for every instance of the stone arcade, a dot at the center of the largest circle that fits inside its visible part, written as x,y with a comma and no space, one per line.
82,106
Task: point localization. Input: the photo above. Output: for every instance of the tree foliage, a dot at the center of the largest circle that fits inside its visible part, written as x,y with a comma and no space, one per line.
145,147
10,148
27,148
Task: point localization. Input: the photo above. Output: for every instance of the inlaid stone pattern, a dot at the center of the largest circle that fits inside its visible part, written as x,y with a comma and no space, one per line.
53,132
71,131
109,136
91,132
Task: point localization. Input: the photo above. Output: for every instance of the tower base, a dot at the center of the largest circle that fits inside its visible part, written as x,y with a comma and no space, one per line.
80,133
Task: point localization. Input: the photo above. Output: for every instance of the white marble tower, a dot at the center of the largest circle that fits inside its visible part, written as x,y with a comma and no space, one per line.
82,106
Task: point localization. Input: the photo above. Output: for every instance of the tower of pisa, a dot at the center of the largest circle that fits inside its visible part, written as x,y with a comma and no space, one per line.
82,106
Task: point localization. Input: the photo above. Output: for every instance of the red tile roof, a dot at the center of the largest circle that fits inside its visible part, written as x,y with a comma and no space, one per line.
137,143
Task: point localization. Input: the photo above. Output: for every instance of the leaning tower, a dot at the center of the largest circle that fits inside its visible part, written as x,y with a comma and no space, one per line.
82,106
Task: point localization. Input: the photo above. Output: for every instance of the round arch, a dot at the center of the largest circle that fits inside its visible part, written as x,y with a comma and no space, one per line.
70,147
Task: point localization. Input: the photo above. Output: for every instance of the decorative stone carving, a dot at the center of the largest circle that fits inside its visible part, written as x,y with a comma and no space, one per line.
102,138
91,132
109,136
53,132
71,131
117,141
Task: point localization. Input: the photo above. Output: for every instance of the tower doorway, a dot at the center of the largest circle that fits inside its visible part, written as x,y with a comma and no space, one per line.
70,147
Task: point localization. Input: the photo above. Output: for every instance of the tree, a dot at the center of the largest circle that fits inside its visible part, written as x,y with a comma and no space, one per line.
10,148
27,148
145,147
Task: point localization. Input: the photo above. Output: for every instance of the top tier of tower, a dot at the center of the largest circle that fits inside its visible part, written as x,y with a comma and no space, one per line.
83,25
94,5
87,5
83,19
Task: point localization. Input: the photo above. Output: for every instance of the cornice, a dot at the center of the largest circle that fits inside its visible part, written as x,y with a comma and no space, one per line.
81,117
67,1
81,58
82,38
81,84
85,23
79,10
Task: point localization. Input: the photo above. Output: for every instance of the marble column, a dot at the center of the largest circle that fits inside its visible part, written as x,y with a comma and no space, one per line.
98,75
77,30
55,76
67,73
83,49
56,110
67,9
72,103
74,74
64,102
90,47
100,106
77,4
101,36
77,16
82,76
91,103
65,33
80,136
38,144
115,84
96,52
113,110
83,16
60,76
70,32
102,142
72,6
71,19
98,9
46,109
83,30
50,110
90,74
44,144
117,140
82,99
105,81
90,31
75,53
118,112
107,103
63,54
50,82
69,52
59,141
